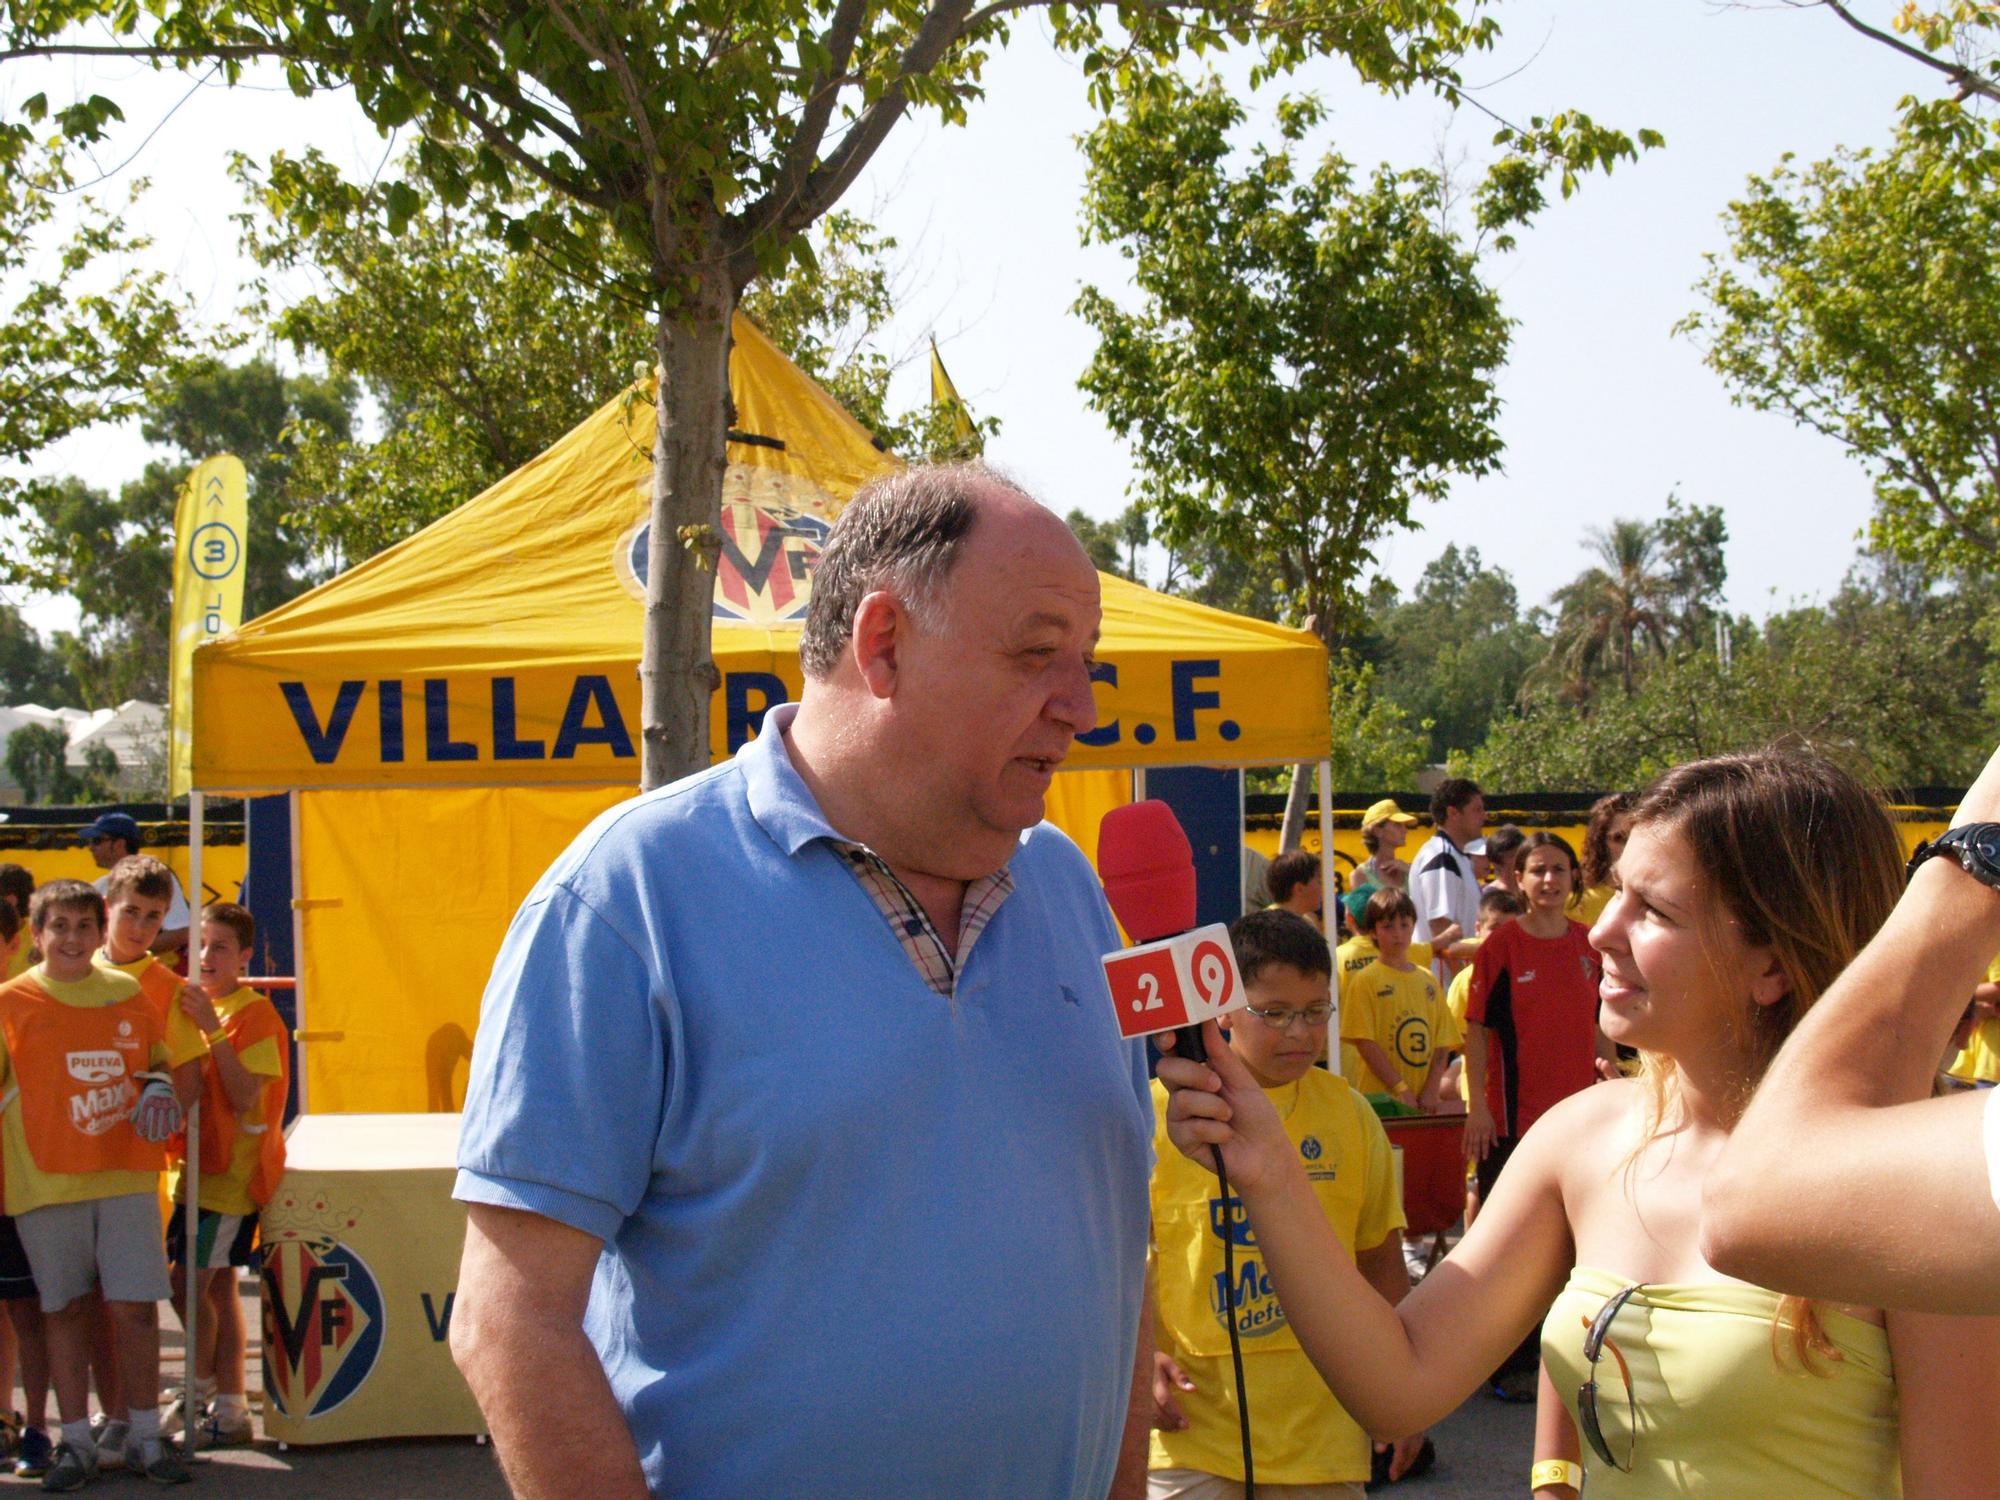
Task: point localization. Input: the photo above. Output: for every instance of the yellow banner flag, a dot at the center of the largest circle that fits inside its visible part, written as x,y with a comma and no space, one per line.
945,394
210,529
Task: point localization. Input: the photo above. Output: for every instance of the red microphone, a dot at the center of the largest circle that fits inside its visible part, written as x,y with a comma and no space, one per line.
1175,978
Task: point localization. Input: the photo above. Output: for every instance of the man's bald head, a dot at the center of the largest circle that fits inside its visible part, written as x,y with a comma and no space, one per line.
903,534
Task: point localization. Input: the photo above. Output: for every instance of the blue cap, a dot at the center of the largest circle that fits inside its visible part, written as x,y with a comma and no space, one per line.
113,825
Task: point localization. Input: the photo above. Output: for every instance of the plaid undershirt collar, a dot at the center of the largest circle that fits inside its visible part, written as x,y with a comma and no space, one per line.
912,925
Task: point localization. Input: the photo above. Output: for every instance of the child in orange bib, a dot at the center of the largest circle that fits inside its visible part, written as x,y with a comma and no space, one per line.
85,1103
242,1136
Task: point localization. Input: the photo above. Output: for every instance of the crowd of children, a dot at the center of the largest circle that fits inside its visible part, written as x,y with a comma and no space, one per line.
104,1051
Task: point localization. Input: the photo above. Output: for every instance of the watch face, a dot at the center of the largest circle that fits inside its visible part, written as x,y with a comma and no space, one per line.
1985,842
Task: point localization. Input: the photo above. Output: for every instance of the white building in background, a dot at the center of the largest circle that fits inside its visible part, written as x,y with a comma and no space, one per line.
134,731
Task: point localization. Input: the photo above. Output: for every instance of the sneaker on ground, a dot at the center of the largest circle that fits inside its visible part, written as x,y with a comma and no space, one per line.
158,1460
35,1455
72,1469
218,1431
111,1438
173,1416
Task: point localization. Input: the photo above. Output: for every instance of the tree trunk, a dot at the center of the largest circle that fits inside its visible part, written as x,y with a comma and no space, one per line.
677,673
1292,830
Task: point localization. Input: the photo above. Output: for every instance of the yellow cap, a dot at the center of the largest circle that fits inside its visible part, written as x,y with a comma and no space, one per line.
1386,811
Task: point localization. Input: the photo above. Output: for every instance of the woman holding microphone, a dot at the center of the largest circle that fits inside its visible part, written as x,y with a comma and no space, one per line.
1748,883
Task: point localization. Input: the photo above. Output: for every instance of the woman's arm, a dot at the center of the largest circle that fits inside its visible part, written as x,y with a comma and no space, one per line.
1891,1206
1395,1369
1948,1388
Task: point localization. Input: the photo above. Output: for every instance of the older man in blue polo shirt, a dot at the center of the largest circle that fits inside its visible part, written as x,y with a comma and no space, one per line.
801,1152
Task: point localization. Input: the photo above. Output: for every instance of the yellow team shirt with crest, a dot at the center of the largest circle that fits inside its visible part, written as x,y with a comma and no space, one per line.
1302,1435
1401,1010
28,1186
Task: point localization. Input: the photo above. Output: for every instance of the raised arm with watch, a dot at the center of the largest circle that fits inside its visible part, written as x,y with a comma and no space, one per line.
1845,1179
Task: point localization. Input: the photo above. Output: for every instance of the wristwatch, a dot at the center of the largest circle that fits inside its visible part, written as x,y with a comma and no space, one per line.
1974,846
1556,1471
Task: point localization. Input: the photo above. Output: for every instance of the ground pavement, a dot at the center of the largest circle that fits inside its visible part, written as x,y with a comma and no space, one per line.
1484,1450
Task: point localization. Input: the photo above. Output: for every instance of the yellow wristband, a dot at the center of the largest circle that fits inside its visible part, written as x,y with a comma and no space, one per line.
1555,1471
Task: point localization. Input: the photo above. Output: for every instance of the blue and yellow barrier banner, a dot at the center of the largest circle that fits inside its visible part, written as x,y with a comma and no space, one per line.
361,1246
500,645
210,533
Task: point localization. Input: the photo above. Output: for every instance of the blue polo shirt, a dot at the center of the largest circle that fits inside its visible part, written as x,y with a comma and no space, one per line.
860,1239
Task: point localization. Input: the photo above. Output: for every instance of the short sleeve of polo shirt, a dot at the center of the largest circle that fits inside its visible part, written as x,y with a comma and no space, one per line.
1357,1005
1382,1207
567,1091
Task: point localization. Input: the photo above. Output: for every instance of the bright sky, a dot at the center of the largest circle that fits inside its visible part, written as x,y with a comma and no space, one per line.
1605,411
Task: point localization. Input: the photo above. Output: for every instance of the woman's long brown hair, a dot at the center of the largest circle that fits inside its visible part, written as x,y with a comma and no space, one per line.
1805,861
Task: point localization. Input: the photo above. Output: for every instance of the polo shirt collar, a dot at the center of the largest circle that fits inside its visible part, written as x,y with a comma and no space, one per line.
780,801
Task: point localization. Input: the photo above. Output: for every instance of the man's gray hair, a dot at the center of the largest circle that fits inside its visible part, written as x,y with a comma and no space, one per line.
900,533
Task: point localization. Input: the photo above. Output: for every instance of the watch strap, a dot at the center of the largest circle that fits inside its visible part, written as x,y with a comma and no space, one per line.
1973,847
1549,1471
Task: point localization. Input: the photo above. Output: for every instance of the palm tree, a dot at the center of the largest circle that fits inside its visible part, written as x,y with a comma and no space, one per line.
1612,610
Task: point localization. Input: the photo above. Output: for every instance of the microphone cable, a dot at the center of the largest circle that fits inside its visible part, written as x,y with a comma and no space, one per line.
1229,1309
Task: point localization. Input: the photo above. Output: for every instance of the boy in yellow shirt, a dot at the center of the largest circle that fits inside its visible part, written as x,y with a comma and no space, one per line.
1299,1434
1395,1033
242,1157
86,1098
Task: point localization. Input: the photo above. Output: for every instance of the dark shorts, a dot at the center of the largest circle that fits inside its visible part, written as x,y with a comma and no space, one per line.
16,1279
221,1239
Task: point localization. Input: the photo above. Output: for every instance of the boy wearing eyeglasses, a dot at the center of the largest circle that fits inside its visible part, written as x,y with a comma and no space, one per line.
1305,1447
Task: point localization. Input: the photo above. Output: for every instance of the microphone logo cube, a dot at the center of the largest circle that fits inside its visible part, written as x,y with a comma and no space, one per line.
1175,982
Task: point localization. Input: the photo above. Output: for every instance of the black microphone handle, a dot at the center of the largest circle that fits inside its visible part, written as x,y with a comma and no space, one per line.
1188,1044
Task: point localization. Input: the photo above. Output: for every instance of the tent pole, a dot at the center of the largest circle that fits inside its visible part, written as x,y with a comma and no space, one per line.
191,1163
298,947
1329,917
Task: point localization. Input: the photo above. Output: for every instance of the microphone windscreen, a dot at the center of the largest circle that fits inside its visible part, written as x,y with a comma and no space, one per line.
1147,866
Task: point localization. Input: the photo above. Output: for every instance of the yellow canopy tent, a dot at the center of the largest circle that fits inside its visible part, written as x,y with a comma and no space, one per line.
450,712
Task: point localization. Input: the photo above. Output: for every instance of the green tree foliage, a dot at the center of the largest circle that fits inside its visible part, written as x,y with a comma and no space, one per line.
114,556
1376,746
1960,41
31,671
499,352
83,330
1454,654
1889,687
36,760
1311,353
1863,301
1613,613
496,352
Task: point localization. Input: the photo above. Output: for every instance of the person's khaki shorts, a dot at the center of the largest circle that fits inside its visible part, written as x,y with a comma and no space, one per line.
114,1244
1193,1484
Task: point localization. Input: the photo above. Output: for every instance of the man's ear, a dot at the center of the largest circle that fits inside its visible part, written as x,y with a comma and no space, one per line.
1769,984
879,627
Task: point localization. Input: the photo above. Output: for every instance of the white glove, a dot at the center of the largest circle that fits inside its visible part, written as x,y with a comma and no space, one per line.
157,1115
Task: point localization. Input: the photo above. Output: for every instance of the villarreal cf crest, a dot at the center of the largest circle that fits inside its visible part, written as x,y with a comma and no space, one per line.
773,526
323,1316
